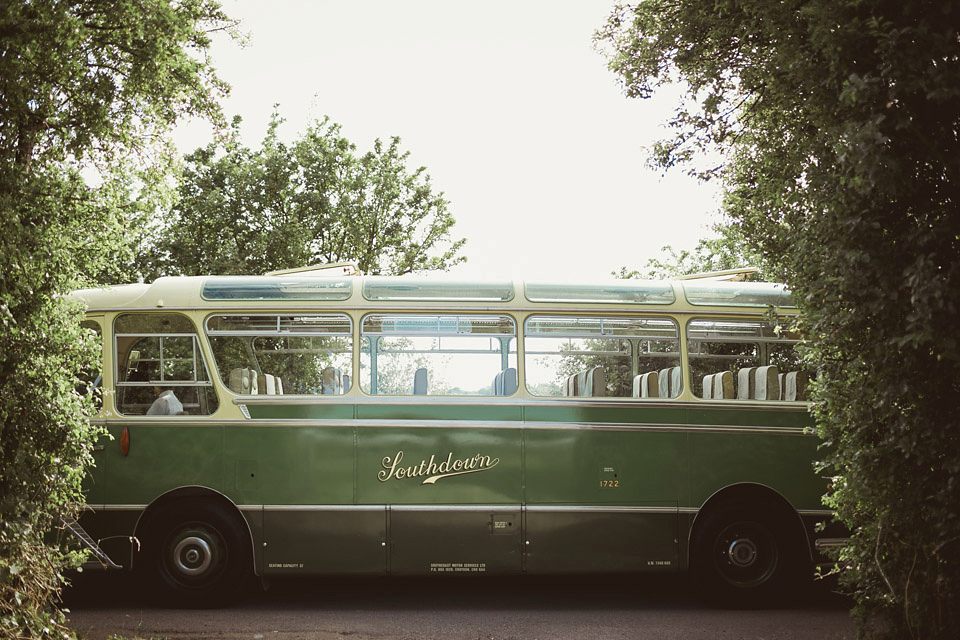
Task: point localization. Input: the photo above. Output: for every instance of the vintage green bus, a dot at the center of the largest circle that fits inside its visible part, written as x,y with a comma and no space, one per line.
303,423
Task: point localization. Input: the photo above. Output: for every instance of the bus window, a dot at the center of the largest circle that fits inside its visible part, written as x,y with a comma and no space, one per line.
745,360
275,354
160,367
463,355
618,357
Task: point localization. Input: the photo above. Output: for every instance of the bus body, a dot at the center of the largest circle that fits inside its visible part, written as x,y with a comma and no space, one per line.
296,424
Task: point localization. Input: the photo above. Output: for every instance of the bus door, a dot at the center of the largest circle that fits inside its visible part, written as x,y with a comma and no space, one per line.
445,458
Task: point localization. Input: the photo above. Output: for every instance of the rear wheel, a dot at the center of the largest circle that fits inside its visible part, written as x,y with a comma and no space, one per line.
746,557
199,555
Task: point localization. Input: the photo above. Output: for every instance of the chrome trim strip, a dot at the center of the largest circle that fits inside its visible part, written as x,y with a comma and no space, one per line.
661,427
509,506
537,426
117,507
349,423
323,507
600,509
680,308
474,507
820,543
516,401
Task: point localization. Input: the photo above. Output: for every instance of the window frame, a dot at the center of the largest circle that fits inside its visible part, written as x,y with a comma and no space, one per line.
369,339
634,337
197,355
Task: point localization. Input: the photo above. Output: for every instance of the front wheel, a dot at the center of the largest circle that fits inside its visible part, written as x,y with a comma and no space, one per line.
199,554
746,558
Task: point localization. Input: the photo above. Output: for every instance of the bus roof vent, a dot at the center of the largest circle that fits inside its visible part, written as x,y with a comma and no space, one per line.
737,294
746,274
322,270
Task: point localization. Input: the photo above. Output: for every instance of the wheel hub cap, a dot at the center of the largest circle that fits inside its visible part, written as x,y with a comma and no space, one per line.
192,556
742,552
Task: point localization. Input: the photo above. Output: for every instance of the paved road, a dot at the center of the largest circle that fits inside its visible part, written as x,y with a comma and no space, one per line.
521,608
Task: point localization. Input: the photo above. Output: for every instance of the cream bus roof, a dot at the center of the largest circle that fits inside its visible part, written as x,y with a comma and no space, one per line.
219,291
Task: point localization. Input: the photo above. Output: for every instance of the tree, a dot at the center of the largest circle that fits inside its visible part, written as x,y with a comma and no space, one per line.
82,85
838,121
316,201
727,250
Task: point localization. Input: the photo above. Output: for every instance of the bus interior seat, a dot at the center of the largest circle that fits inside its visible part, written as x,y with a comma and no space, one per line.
646,385
596,382
670,382
676,381
509,381
420,382
266,384
505,382
723,385
330,381
243,381
496,388
664,383
707,393
795,386
582,388
571,386
587,383
746,383
767,383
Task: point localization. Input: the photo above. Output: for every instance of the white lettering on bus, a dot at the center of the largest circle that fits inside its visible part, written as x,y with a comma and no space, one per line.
431,470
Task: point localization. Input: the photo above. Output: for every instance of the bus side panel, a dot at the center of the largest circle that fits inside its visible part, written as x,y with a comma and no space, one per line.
454,495
781,461
291,465
455,540
303,476
325,540
163,456
602,499
602,540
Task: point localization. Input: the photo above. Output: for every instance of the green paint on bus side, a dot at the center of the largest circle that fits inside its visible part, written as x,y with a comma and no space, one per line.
492,454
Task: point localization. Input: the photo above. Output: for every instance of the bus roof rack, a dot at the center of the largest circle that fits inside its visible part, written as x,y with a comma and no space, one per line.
322,270
745,274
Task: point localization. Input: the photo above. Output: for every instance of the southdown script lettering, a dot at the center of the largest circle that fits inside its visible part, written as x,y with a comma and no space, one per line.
430,470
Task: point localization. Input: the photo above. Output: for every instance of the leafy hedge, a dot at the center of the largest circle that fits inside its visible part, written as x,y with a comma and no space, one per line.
82,84
45,436
839,122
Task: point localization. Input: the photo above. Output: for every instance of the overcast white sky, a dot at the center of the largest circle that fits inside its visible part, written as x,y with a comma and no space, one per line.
506,103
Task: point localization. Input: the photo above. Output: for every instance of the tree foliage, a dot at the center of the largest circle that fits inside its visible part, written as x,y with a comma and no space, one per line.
245,211
726,250
840,125
82,84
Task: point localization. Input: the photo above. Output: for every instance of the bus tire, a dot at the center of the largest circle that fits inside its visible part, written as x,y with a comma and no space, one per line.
199,556
745,557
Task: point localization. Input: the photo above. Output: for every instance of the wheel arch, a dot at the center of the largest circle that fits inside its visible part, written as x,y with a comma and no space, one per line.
750,493
152,515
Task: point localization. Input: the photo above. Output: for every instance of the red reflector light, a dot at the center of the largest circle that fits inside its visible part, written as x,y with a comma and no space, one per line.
125,441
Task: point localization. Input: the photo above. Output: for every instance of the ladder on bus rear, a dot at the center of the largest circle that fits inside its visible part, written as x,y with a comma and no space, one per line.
71,525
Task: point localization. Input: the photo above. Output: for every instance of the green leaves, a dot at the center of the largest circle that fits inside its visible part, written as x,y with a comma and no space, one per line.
83,85
93,76
838,121
315,201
